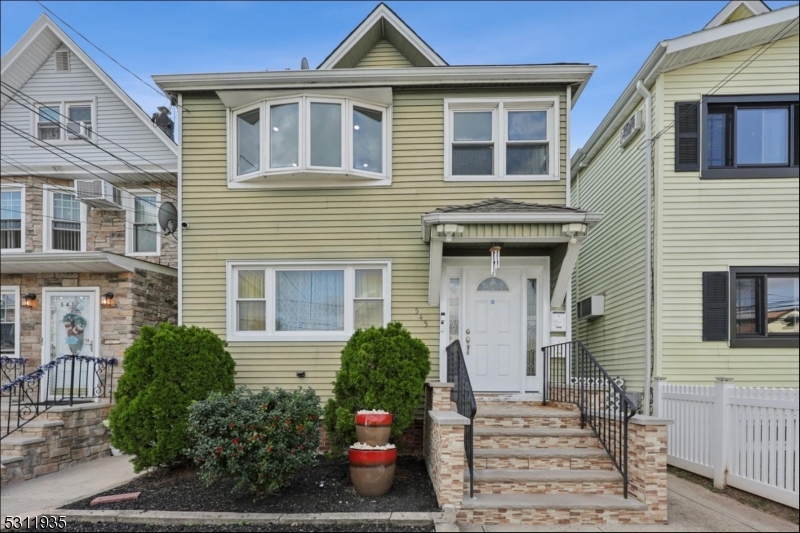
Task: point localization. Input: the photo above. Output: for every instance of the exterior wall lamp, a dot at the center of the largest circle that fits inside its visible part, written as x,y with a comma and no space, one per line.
573,231
448,230
27,300
107,299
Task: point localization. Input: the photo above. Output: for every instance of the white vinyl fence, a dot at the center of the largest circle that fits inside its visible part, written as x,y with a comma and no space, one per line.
744,437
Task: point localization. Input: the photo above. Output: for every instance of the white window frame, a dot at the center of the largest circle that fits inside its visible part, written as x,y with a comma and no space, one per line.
500,108
21,190
47,221
129,201
63,110
270,267
345,175
14,289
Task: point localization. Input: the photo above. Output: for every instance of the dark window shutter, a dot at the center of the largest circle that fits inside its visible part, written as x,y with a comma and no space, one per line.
687,136
715,306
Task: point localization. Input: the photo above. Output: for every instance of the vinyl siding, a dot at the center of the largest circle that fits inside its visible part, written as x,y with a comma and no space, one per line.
340,224
710,225
611,260
114,120
384,55
29,62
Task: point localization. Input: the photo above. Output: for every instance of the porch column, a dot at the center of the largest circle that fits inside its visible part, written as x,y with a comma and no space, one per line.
565,274
435,272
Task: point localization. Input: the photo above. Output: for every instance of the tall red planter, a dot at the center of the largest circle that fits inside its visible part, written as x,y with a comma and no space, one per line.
372,460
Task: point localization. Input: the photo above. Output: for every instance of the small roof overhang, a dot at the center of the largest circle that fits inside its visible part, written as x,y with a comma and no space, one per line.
70,263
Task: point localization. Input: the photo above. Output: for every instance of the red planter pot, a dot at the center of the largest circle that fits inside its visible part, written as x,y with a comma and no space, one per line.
373,428
372,471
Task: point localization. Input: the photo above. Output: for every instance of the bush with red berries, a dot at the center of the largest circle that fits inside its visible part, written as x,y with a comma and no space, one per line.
258,439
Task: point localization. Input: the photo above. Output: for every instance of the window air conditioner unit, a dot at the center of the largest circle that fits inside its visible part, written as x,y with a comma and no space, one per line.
630,129
591,307
99,194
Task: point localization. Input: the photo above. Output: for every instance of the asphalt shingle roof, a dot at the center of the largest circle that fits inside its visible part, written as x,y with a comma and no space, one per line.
503,205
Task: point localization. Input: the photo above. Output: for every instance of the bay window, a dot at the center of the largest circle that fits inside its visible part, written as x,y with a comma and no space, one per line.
501,139
294,139
308,301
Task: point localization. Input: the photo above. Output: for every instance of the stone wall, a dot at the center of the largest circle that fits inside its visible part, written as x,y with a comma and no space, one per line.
445,456
647,464
154,299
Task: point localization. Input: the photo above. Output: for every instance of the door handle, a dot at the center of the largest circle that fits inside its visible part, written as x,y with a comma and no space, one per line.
467,339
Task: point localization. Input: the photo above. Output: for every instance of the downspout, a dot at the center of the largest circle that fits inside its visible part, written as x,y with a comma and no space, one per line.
648,253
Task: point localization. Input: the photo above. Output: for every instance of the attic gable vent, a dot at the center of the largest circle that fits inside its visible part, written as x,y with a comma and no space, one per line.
62,60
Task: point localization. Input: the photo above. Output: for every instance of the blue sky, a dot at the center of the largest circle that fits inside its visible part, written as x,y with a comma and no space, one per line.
177,37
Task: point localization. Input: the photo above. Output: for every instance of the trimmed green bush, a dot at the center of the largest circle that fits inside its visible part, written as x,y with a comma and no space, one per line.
259,439
165,370
382,368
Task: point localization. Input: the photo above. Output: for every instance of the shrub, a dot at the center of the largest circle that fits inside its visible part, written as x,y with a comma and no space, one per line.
165,370
258,439
382,368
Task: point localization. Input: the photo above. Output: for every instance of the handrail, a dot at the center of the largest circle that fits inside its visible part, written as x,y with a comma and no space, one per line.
82,377
12,367
573,375
464,398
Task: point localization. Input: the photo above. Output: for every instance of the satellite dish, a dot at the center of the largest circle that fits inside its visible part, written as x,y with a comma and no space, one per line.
168,218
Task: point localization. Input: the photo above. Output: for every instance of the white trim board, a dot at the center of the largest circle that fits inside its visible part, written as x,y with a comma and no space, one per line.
14,289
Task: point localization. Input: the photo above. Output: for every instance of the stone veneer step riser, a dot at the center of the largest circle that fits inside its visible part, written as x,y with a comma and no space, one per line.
549,517
543,463
508,442
538,487
528,421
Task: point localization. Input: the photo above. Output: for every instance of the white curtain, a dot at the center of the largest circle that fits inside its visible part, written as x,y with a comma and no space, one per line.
309,300
368,312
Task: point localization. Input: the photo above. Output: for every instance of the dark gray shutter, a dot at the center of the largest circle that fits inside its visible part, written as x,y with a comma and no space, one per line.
715,306
687,136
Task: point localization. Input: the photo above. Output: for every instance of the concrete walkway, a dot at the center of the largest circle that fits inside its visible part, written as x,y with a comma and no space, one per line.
691,508
54,490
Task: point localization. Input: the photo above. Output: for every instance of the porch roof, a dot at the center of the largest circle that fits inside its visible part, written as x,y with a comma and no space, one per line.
72,262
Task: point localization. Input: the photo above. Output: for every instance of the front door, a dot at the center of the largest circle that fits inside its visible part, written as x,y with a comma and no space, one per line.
492,338
70,328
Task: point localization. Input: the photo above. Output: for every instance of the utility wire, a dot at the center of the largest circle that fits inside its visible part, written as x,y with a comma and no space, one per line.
66,129
17,91
26,135
161,93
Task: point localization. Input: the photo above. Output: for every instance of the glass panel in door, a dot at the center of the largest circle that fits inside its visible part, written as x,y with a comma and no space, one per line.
71,331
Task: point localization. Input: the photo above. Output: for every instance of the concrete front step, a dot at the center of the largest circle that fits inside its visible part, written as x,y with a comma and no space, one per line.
508,400
10,459
550,509
527,417
545,482
511,438
542,459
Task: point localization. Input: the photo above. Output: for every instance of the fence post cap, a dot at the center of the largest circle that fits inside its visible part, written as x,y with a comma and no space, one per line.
724,379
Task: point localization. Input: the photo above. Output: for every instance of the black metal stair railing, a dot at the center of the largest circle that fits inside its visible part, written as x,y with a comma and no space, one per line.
11,368
63,381
573,375
464,398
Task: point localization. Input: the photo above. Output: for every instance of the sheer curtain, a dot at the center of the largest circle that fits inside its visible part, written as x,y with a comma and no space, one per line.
368,304
251,307
309,300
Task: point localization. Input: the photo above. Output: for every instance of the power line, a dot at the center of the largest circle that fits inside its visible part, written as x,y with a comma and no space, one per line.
161,93
66,129
17,91
26,135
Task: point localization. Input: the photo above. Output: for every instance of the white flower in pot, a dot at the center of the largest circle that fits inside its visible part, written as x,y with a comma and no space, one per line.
114,451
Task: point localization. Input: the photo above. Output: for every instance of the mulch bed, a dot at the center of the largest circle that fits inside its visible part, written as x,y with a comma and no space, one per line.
324,488
86,527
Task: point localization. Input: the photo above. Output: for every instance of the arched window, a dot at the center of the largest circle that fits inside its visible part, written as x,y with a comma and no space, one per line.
493,284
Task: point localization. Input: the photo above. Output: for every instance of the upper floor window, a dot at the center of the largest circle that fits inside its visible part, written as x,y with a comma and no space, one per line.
70,121
765,305
11,216
143,237
750,136
501,139
310,135
65,218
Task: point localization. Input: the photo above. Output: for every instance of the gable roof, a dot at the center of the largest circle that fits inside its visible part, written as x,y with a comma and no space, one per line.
38,44
737,10
382,23
503,205
672,54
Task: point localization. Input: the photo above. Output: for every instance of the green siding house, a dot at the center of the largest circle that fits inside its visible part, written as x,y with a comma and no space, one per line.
711,120
370,189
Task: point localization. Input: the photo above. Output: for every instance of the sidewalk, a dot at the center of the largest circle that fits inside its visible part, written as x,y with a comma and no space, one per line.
75,483
691,508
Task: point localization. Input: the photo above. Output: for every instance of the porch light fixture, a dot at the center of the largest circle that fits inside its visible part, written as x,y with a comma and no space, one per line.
107,299
573,231
27,300
448,230
494,252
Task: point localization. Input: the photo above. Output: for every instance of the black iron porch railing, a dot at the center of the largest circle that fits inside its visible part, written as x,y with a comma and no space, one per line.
573,375
464,399
65,380
11,368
